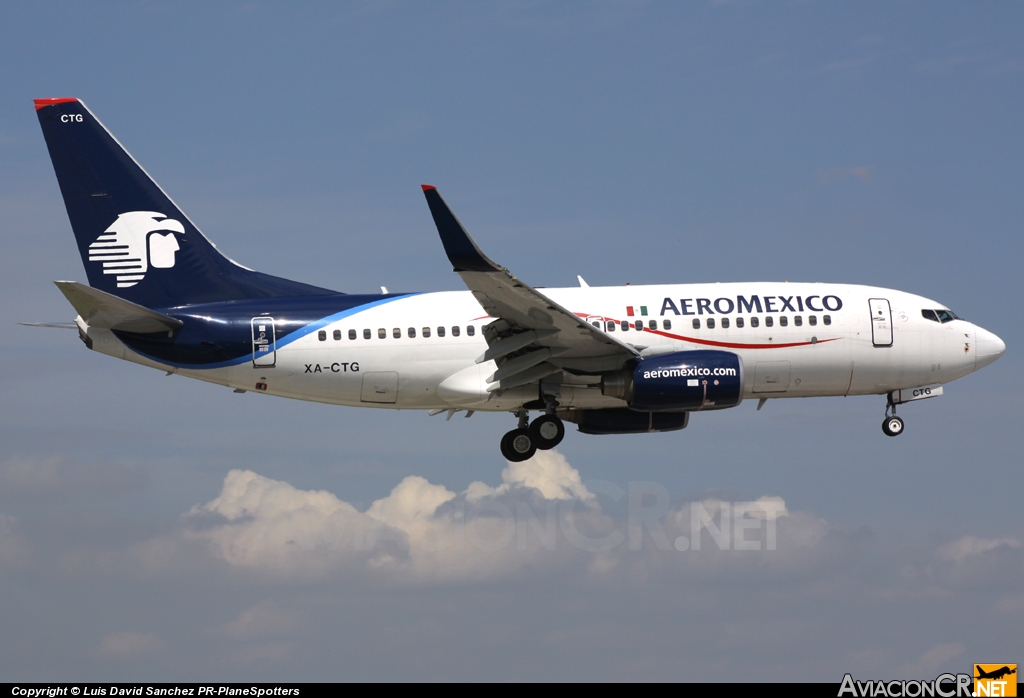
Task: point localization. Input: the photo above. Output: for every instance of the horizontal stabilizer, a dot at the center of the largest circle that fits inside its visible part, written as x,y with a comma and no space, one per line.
58,325
103,310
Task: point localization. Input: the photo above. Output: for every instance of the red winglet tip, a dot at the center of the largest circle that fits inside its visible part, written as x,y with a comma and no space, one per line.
40,103
428,187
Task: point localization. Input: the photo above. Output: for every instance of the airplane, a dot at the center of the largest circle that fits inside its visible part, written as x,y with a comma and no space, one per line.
611,360
995,673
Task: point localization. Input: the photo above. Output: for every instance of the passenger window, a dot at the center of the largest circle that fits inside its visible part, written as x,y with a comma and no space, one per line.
739,322
812,320
929,315
755,321
769,321
783,321
397,333
639,325
322,335
798,320
471,330
412,333
668,324
455,331
624,325
696,323
596,324
382,333
351,334
711,323
366,334
653,324
725,323
426,331
827,319
440,331
337,335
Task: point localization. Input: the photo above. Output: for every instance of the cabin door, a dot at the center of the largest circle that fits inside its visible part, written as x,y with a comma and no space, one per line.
264,342
881,322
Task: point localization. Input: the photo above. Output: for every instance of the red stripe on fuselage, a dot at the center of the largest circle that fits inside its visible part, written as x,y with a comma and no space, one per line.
736,345
713,343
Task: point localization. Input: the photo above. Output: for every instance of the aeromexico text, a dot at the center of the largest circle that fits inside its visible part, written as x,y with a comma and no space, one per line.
752,304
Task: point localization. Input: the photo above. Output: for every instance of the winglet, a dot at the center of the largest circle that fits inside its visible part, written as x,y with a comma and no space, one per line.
462,252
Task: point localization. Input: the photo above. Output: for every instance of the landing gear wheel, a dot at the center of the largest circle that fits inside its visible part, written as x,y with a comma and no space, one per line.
547,432
517,445
892,426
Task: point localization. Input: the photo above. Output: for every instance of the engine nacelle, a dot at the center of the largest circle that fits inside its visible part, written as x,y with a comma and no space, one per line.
683,380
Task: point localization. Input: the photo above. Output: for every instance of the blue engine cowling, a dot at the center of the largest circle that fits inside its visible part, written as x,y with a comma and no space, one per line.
685,380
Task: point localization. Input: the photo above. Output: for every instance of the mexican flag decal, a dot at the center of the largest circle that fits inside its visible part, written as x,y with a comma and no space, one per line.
630,313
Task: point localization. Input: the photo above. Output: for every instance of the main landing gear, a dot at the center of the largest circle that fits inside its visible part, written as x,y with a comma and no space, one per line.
545,432
891,425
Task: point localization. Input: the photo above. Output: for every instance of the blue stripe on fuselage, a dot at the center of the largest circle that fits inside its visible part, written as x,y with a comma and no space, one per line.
217,335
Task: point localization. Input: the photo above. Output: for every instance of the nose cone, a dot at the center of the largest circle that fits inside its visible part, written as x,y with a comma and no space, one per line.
990,348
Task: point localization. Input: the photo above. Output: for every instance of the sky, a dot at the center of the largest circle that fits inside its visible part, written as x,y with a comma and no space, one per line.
154,528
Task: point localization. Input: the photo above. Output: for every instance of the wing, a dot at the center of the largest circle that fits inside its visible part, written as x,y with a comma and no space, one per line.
532,337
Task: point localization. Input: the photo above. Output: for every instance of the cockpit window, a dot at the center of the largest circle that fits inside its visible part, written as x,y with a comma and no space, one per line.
940,315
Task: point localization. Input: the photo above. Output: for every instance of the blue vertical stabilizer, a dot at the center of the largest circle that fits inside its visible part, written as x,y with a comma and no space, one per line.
135,242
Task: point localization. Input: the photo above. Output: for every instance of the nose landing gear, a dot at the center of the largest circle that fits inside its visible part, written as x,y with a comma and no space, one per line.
546,432
891,425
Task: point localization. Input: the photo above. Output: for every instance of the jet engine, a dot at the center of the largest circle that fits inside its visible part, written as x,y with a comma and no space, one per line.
680,381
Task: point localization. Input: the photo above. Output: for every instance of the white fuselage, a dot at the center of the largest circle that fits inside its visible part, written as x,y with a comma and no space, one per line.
810,340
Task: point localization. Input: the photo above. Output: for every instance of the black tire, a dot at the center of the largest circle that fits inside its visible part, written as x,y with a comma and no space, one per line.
892,426
547,432
517,446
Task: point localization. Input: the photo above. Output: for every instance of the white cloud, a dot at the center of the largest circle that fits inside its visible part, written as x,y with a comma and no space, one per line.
410,504
967,547
540,519
548,472
419,532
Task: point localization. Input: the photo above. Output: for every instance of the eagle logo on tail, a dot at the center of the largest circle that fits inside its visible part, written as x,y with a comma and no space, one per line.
133,243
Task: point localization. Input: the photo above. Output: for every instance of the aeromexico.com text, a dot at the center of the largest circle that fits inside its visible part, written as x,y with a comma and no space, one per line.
752,304
689,371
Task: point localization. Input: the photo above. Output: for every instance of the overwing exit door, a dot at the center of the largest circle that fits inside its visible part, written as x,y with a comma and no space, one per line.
264,342
881,322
